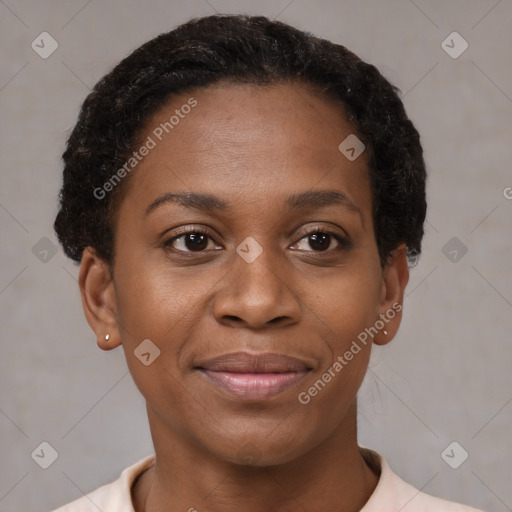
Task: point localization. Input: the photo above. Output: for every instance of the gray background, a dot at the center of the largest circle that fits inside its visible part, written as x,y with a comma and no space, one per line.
446,377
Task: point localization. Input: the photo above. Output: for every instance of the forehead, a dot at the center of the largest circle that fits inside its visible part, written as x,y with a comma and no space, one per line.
247,140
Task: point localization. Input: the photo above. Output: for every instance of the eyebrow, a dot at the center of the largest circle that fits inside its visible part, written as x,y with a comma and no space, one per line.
211,203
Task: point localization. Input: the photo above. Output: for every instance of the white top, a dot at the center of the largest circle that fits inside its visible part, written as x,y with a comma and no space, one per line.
392,494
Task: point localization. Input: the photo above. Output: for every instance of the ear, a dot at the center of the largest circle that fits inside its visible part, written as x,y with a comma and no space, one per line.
98,298
395,276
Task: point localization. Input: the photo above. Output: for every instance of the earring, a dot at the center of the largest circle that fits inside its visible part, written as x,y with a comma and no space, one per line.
385,333
107,337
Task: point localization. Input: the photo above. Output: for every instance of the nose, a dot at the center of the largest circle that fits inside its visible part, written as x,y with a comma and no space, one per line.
258,294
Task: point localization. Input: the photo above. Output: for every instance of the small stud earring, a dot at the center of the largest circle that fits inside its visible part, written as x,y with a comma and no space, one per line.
385,333
107,337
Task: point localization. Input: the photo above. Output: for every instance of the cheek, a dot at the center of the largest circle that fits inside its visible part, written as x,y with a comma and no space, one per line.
163,304
347,303
345,308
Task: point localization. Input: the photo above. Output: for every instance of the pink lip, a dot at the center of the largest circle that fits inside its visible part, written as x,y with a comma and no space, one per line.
254,376
254,386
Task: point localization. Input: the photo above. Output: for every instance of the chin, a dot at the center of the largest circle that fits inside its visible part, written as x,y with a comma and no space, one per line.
262,451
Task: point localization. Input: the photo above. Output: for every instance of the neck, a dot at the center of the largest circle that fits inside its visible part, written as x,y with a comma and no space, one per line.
333,476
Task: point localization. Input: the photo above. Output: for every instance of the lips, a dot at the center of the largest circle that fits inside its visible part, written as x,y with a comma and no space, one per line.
254,376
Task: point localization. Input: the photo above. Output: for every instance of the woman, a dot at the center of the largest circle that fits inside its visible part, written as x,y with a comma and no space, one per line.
244,200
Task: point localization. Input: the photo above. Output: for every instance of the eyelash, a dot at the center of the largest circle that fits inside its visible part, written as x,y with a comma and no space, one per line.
342,241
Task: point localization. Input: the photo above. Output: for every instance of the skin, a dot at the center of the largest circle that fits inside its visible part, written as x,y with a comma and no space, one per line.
250,146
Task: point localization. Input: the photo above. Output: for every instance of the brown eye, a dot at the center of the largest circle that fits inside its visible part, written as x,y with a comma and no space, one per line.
191,241
195,241
321,241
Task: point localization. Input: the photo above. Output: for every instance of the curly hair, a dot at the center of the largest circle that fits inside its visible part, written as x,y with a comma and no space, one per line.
238,49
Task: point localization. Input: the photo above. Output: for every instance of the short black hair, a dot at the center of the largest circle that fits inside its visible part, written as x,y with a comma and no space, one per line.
238,49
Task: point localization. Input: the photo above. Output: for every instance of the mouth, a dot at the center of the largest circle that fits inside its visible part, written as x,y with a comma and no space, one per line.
254,377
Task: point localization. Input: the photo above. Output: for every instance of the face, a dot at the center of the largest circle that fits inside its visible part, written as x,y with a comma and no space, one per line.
245,252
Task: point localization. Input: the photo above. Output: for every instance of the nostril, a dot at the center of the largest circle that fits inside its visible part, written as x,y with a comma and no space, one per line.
277,319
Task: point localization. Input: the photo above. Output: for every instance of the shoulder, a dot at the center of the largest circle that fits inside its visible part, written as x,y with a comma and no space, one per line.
393,494
111,497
